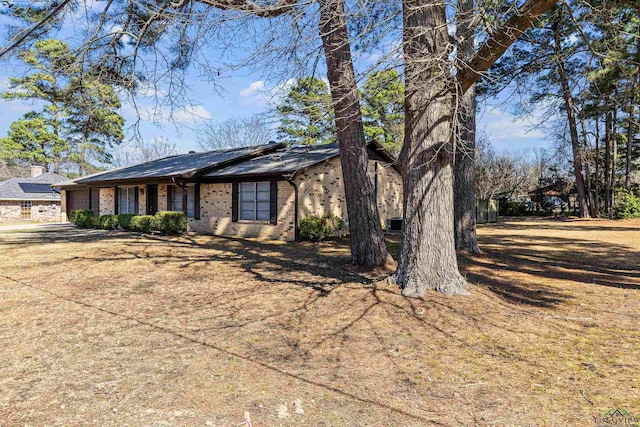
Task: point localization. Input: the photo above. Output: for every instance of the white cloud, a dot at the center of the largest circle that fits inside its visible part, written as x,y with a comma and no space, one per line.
4,83
192,114
162,115
254,88
507,131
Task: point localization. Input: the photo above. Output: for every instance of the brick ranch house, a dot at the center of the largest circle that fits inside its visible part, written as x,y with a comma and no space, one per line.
31,198
260,191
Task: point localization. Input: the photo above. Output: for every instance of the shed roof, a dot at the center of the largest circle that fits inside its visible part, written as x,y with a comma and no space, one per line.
31,188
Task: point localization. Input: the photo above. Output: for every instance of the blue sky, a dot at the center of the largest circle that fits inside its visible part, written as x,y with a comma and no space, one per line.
244,93
247,95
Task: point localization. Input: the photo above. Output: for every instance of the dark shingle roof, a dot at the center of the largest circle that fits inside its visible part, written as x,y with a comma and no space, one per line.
283,161
31,188
185,165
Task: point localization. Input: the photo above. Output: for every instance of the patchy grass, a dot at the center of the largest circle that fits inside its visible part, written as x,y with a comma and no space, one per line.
118,329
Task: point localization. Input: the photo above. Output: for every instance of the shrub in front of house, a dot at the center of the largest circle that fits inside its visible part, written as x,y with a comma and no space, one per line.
141,223
109,222
82,218
93,221
124,220
318,228
169,222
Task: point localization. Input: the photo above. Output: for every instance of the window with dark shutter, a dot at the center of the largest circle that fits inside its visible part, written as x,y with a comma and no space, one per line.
234,202
196,202
136,199
273,203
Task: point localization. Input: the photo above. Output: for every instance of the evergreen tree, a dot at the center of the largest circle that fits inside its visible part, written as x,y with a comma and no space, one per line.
78,122
32,139
51,63
94,125
306,115
383,109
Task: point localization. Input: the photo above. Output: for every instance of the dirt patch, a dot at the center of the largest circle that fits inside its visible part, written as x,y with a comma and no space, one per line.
119,329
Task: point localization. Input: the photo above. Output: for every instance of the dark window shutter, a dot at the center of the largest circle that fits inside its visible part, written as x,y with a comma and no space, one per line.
136,199
169,197
234,202
196,202
273,205
116,202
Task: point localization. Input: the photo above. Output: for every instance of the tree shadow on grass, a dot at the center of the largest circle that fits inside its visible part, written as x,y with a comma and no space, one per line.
561,224
549,259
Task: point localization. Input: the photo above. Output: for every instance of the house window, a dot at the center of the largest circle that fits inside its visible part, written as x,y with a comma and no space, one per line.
25,210
127,200
175,204
254,201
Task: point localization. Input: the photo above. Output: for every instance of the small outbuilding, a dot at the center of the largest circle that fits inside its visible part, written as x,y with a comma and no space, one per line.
32,198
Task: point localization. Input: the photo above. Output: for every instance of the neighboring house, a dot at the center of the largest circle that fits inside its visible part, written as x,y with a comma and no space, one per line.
260,191
32,198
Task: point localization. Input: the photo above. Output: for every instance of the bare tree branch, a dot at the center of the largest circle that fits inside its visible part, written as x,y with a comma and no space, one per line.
501,39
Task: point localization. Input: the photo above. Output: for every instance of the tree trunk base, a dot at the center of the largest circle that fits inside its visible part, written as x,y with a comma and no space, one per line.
453,284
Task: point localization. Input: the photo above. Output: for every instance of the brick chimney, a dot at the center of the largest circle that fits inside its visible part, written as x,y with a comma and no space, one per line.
37,170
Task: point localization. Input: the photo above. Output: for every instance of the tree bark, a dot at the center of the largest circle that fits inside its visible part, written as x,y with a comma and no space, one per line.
597,165
590,200
583,208
368,247
608,130
614,155
464,188
630,132
427,253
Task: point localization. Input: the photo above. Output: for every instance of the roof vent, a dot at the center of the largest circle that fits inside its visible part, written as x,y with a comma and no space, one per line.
192,152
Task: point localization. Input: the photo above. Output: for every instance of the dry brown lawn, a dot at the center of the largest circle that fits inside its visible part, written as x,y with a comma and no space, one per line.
114,329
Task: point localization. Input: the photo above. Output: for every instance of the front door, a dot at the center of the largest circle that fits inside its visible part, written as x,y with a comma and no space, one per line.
152,199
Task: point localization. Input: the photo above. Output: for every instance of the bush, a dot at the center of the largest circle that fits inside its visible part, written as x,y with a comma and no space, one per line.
627,204
93,222
82,218
320,228
124,220
169,222
108,222
141,223
508,207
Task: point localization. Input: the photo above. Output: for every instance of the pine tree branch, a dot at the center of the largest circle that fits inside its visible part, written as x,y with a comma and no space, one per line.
19,40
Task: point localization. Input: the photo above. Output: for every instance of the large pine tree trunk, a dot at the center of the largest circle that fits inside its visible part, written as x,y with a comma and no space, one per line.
465,150
608,129
597,165
591,202
630,132
427,254
583,208
368,247
614,157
